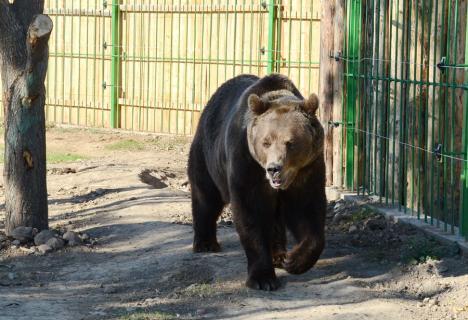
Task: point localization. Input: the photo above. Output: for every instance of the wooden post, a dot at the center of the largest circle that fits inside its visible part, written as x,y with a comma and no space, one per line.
326,81
338,68
24,53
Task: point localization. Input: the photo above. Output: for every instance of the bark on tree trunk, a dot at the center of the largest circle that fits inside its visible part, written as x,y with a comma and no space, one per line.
326,81
339,26
24,35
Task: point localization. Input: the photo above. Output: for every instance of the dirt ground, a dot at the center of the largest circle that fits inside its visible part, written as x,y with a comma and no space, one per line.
128,193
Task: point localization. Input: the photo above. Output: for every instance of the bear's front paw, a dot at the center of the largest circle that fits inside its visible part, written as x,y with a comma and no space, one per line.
265,283
206,246
298,261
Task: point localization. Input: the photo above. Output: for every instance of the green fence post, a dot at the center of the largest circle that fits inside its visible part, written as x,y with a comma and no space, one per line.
271,36
464,178
352,78
115,65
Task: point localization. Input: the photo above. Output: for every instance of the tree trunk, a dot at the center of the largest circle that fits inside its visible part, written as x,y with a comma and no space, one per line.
24,35
326,81
339,27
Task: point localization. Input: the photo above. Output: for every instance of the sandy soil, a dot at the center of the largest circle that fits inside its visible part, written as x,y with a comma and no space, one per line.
128,194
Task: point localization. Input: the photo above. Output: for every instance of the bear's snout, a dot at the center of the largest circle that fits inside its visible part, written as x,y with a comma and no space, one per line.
275,174
274,169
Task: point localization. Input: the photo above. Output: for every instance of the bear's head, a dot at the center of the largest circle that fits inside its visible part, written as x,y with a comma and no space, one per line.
283,134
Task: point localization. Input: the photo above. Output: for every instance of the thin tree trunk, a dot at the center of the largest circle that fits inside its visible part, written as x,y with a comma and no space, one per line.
339,27
326,81
24,35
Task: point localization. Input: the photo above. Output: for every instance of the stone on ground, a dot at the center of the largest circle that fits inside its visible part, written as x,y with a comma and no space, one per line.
23,234
73,238
44,236
55,243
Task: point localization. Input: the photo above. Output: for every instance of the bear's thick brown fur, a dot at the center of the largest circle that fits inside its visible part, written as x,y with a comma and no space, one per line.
259,147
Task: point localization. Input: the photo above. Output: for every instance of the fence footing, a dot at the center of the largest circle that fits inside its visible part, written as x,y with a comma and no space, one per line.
399,217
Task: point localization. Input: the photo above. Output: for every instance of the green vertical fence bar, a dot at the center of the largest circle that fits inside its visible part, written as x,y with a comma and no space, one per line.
115,65
464,179
353,45
271,36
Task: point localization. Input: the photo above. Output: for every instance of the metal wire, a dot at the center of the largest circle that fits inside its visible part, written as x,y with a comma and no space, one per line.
444,66
376,135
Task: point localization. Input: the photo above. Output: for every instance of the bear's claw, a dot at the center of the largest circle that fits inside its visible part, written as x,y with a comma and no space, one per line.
266,284
278,259
296,264
212,246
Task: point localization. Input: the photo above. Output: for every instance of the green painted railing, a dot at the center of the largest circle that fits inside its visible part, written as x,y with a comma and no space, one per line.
406,107
272,18
115,65
464,179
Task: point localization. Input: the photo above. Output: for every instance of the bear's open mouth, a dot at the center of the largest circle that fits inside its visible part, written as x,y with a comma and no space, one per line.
276,183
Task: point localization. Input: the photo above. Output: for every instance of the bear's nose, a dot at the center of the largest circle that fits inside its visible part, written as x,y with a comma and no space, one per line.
274,168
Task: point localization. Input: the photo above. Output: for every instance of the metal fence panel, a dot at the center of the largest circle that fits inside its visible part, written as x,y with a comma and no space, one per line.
406,89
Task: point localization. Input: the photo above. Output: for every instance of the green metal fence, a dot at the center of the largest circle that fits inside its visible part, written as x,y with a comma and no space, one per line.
405,96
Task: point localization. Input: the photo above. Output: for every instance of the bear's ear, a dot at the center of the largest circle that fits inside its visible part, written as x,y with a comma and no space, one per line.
256,104
311,105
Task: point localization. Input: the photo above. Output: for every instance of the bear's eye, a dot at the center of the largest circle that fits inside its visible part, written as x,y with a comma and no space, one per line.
289,145
266,144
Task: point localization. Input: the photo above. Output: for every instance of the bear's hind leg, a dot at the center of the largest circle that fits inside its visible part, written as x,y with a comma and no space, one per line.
205,212
279,243
207,205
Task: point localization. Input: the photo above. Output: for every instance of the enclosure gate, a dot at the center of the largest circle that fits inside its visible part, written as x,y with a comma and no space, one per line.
406,107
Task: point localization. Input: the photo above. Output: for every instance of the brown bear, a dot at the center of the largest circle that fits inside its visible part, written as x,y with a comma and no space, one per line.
259,147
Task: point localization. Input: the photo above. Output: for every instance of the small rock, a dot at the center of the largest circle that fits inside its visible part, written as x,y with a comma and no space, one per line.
337,206
24,234
73,238
28,250
201,311
110,290
433,302
85,237
44,236
426,300
16,243
44,248
55,243
337,218
352,229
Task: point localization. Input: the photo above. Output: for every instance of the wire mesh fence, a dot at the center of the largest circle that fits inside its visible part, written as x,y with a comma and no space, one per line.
405,98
